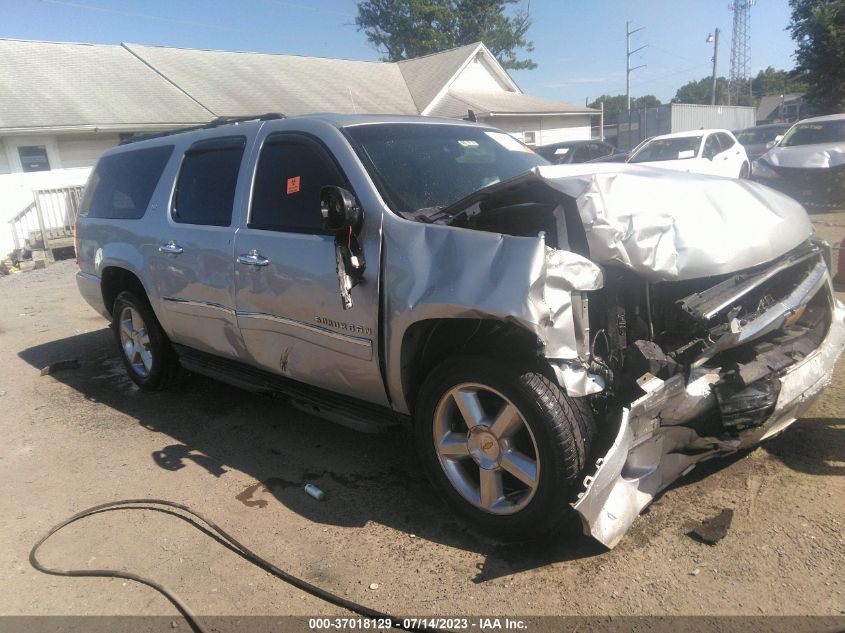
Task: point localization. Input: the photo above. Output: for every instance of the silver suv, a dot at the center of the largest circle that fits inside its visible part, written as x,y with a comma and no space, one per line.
556,337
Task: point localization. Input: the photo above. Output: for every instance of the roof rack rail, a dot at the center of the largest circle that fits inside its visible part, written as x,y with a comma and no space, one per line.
217,122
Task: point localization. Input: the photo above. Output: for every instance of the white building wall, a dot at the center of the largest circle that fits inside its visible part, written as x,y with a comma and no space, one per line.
477,75
83,150
5,165
16,194
547,129
71,156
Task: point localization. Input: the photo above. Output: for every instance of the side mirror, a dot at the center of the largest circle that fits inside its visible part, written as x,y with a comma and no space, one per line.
771,144
339,208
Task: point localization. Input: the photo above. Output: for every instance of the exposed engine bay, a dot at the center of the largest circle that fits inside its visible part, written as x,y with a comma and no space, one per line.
701,335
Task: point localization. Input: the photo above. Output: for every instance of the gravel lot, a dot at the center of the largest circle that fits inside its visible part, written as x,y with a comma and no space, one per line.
85,436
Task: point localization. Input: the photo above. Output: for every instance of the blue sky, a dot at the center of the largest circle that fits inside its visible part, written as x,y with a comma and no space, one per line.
579,45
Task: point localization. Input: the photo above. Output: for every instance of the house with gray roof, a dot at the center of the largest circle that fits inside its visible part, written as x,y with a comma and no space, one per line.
785,108
62,104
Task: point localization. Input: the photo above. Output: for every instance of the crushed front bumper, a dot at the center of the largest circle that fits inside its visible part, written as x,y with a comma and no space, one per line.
653,448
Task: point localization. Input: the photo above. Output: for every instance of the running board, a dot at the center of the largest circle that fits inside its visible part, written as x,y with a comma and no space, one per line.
344,410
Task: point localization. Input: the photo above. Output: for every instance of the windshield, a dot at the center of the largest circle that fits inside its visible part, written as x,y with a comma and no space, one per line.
667,149
421,166
759,136
813,133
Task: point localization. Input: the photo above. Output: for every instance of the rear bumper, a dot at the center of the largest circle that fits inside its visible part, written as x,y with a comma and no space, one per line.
646,456
91,291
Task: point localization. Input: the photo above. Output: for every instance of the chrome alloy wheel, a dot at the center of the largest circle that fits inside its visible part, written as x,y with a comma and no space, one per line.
486,448
135,341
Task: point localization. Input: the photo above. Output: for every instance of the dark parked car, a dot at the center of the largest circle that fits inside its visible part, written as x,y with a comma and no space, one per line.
760,139
574,151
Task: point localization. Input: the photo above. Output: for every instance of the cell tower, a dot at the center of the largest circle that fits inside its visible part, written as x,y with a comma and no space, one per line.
740,48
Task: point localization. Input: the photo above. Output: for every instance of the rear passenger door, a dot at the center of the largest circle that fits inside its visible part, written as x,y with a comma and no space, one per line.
287,291
730,160
192,265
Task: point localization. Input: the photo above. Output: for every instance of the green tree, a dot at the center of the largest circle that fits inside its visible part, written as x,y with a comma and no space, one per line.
772,82
818,28
613,105
701,91
410,28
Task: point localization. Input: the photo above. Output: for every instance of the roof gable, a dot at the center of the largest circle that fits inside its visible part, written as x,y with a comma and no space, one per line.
426,76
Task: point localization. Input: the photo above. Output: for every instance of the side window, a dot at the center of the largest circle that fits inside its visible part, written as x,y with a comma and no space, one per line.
581,154
291,172
121,185
205,189
726,141
711,147
602,149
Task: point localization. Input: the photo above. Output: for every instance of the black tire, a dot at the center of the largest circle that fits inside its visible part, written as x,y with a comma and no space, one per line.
562,428
744,171
165,367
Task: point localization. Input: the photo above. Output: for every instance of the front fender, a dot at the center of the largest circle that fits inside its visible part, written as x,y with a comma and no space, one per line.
440,272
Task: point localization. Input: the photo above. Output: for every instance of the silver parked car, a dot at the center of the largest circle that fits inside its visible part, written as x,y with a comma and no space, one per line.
557,337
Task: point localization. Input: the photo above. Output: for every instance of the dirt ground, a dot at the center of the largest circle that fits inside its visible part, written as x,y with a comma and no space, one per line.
85,436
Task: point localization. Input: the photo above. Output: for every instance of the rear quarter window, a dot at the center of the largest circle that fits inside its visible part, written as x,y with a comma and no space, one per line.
121,185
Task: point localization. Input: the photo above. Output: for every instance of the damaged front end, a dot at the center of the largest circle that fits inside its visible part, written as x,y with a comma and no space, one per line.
731,361
696,313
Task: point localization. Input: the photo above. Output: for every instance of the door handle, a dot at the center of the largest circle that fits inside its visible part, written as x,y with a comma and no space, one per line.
170,247
253,258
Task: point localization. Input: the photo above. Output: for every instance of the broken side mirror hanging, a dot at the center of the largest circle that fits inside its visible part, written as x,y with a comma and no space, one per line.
343,216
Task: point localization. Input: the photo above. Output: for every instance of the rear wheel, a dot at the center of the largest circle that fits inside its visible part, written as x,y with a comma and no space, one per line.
145,350
504,446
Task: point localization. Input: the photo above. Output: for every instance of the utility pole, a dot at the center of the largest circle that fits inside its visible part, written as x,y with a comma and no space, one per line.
628,69
715,39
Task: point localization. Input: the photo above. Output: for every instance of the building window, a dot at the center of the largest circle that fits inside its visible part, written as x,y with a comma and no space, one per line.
529,138
34,158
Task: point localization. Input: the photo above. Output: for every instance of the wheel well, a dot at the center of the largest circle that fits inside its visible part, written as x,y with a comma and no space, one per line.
115,280
429,342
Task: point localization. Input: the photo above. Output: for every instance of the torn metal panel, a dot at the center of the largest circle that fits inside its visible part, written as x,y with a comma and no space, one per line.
436,271
652,448
577,381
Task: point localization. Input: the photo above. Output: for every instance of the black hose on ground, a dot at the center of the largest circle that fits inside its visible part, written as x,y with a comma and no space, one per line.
219,534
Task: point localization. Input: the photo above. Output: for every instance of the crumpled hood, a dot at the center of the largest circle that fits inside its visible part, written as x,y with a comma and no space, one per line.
807,156
668,225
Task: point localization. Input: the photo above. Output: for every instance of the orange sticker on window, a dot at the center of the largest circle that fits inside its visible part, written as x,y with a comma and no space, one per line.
293,185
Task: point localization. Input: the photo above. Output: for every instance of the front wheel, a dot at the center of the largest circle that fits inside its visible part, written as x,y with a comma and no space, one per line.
504,446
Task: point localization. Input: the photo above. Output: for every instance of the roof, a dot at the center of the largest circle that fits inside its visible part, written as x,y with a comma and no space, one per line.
426,76
228,83
54,85
769,104
828,117
701,132
457,102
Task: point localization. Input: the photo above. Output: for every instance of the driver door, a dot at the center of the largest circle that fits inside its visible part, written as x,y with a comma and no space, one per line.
287,293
